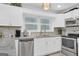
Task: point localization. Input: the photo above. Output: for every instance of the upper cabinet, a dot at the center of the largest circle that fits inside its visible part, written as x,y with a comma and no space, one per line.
59,21
10,15
37,23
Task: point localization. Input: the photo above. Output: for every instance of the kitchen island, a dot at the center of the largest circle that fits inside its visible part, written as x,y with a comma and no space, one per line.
47,45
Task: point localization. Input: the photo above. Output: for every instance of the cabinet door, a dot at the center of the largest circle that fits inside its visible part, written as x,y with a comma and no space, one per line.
45,46
39,46
4,20
59,21
53,45
10,16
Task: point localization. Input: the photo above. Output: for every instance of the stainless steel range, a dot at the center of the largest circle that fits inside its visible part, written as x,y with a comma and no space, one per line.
69,46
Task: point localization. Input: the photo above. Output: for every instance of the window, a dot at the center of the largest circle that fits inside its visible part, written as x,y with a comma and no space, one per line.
35,23
45,27
31,23
45,24
31,26
45,21
30,20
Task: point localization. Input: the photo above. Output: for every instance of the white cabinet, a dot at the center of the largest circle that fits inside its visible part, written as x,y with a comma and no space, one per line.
44,46
59,21
53,45
39,46
4,20
7,46
10,15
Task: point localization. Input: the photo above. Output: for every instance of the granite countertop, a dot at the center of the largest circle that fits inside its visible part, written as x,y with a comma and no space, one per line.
46,36
30,37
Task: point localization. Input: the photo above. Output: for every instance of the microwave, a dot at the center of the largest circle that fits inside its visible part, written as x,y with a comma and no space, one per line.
77,21
71,22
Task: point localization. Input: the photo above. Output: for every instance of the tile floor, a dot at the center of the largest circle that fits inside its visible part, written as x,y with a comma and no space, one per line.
58,54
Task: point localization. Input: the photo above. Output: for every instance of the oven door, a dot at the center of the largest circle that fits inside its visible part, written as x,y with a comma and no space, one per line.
69,45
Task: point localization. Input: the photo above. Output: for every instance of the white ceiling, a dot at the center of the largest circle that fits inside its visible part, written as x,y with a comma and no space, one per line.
54,8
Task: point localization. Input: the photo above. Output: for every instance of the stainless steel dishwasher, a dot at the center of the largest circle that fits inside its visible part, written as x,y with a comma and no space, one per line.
25,47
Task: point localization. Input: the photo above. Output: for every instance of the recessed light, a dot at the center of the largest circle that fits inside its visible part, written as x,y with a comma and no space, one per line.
59,6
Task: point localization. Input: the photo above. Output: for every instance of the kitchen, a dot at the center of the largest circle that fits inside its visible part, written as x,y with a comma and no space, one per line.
41,32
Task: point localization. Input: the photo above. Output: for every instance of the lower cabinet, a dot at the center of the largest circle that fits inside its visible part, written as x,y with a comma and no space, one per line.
45,46
39,46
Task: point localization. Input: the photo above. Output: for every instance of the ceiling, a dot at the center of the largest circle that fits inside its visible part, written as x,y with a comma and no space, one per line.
54,7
